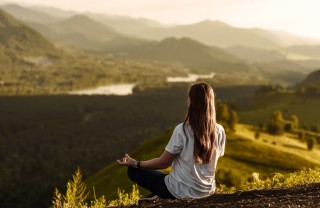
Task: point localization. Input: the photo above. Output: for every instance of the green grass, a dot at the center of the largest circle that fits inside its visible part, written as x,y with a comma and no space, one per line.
288,103
244,155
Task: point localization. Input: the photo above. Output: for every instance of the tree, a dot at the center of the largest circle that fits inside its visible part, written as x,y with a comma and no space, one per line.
312,90
288,126
295,121
233,120
223,112
276,124
301,135
300,90
311,142
257,135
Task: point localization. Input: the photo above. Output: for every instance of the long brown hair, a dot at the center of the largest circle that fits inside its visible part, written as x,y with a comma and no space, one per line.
202,118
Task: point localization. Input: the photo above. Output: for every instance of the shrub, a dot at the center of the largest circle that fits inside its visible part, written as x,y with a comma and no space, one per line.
77,194
276,124
301,135
288,126
257,135
311,143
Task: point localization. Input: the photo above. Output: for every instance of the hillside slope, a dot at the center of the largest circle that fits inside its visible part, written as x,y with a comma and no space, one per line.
299,196
244,155
261,108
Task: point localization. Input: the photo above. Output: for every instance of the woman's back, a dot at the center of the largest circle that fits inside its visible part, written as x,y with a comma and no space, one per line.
189,179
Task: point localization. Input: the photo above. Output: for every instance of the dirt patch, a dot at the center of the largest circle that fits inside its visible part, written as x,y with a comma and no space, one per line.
299,196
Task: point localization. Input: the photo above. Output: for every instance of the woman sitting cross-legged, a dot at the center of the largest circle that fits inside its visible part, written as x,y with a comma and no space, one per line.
193,152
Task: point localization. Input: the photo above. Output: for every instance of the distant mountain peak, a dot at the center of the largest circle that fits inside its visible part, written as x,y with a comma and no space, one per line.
215,23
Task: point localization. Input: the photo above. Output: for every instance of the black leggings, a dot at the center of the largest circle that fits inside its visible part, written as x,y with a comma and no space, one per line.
152,180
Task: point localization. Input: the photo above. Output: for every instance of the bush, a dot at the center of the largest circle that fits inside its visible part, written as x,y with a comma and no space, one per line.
288,126
77,194
257,135
311,143
301,135
276,124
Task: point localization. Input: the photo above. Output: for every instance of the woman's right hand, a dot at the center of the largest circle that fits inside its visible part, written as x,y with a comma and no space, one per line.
127,161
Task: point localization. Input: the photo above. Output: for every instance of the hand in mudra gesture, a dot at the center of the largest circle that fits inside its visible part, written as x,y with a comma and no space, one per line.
127,161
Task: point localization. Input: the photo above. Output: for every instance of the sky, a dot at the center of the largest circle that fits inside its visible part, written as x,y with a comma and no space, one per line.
301,17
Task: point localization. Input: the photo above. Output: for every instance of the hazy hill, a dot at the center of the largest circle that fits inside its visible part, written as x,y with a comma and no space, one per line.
17,39
81,24
28,15
63,14
78,30
189,53
126,25
312,79
255,54
214,33
312,51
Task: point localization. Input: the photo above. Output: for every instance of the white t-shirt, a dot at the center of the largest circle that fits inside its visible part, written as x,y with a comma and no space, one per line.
187,178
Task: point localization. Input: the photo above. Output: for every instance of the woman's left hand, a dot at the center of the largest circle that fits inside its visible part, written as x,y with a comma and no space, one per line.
127,161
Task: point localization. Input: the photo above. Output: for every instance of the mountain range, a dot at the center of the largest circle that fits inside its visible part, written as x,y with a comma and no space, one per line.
210,46
212,33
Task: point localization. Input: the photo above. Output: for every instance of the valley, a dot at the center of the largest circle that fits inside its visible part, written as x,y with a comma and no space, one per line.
80,89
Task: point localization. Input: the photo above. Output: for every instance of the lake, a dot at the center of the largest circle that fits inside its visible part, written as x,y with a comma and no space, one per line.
126,88
190,77
113,89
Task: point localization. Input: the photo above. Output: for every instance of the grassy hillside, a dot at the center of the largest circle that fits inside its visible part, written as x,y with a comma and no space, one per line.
289,103
244,155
